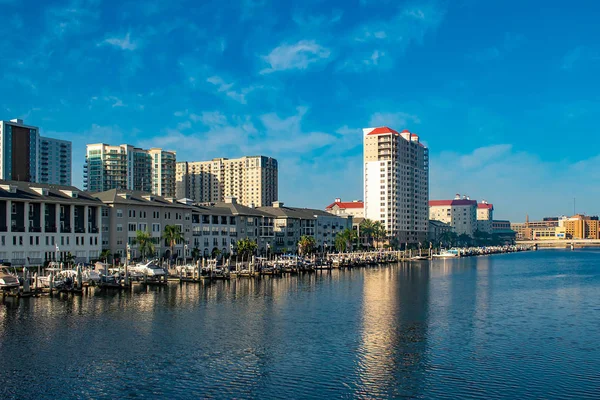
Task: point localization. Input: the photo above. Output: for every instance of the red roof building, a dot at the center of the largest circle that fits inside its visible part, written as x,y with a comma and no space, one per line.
354,208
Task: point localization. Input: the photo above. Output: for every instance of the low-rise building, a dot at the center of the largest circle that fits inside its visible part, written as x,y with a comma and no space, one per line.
437,229
581,227
292,223
41,222
501,231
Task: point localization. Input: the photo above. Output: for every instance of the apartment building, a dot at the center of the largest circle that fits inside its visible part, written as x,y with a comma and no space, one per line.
217,226
396,183
129,168
460,214
291,223
437,230
356,208
55,161
581,227
41,222
19,151
485,217
252,180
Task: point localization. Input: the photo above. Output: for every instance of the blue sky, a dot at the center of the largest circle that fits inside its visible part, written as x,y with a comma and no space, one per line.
504,93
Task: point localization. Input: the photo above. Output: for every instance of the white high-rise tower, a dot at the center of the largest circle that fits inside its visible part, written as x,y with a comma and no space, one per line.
396,183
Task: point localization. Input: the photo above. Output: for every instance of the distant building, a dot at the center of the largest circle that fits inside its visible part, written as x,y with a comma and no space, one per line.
396,183
460,214
525,230
55,161
485,216
19,151
581,227
501,231
355,208
252,180
129,168
437,229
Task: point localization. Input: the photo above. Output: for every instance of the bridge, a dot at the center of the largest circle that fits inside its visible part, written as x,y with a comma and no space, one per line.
560,244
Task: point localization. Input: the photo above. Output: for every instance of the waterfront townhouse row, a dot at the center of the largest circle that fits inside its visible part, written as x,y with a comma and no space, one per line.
46,222
41,222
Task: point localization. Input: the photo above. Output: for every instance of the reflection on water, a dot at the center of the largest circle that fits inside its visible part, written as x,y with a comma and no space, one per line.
516,326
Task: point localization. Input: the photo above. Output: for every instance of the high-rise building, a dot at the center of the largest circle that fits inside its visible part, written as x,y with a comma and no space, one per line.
55,161
485,217
131,168
252,180
396,183
19,151
163,172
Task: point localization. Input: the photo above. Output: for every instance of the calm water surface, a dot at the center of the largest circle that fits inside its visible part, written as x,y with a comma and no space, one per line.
508,326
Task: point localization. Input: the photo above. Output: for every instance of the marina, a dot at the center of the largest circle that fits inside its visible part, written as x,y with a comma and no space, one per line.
516,325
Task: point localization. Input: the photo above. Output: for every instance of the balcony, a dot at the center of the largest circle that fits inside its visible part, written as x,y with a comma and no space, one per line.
232,233
50,228
17,229
94,229
35,229
79,230
3,228
65,229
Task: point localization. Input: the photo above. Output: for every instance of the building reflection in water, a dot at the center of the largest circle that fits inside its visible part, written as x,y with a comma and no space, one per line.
392,356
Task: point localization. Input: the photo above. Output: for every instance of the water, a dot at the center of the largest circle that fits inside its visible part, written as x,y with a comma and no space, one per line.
508,326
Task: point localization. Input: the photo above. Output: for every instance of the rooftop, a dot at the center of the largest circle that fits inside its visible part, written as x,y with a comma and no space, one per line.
456,202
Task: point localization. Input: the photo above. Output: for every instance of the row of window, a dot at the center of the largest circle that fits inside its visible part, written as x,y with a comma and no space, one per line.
50,241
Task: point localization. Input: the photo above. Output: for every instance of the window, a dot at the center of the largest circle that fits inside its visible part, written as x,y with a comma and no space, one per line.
105,211
119,228
119,213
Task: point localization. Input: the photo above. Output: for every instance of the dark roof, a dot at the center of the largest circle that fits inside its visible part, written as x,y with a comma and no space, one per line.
439,224
117,196
56,193
239,209
293,212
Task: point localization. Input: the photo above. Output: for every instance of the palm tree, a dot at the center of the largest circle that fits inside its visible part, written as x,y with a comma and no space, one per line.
344,239
196,253
366,228
216,252
246,247
69,258
379,232
448,238
144,243
306,245
172,235
104,255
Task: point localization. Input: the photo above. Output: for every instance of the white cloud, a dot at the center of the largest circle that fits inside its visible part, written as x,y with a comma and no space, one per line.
345,130
397,120
227,88
123,43
299,55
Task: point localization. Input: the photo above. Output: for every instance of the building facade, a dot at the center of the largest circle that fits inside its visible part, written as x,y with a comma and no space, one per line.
581,227
460,214
40,222
437,229
485,217
396,183
253,180
129,168
291,223
19,151
355,208
55,161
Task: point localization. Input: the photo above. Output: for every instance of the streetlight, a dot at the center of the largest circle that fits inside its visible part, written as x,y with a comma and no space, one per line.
185,251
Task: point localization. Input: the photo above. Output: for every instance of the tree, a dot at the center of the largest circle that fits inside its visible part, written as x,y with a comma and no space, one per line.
144,242
196,253
69,258
464,239
246,247
306,245
344,239
215,252
448,238
104,255
481,238
379,232
172,235
367,227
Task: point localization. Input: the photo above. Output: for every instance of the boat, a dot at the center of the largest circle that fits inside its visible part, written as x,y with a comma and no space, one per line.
53,277
150,269
447,254
419,258
8,281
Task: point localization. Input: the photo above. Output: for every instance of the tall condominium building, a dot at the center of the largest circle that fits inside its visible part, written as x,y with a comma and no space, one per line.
460,214
131,168
252,180
55,161
19,151
396,183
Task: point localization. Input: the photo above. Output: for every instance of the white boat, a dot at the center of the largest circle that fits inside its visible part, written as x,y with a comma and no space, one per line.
8,280
54,273
447,254
149,269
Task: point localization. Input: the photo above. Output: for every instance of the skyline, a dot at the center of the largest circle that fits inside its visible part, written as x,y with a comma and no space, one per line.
270,80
